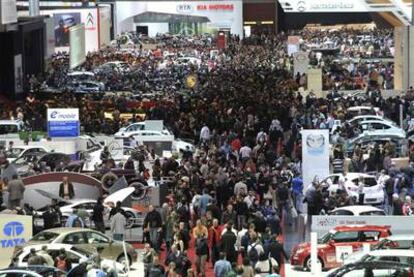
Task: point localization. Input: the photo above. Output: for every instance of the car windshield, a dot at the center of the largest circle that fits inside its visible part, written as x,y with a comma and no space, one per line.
45,236
14,152
325,238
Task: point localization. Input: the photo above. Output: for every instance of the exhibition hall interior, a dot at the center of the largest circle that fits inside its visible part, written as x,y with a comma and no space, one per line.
207,138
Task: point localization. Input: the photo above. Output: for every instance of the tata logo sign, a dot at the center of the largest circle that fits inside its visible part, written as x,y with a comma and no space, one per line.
68,116
184,8
12,232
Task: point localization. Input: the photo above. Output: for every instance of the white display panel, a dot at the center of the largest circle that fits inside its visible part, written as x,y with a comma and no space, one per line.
77,55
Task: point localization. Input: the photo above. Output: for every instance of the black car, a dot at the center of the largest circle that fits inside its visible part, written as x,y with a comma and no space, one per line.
41,161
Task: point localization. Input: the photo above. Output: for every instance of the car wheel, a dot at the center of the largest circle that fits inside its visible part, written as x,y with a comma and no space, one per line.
121,259
307,265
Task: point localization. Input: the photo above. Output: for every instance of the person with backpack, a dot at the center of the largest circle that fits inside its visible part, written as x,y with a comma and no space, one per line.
265,265
201,253
62,262
254,250
74,220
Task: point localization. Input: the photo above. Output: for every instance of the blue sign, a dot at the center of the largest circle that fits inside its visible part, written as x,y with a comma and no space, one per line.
13,230
63,123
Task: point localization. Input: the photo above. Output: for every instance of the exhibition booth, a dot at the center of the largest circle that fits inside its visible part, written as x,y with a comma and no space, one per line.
193,17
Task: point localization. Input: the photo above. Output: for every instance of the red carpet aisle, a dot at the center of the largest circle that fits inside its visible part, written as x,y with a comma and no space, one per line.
209,268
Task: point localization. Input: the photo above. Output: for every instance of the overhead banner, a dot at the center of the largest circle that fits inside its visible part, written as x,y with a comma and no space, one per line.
321,224
63,123
315,155
14,230
324,6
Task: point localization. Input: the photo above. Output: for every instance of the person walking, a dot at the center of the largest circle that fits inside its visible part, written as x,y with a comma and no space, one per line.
228,244
97,216
222,266
118,223
153,225
16,189
201,253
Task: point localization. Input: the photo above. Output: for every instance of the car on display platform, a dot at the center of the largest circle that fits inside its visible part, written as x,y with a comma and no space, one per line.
357,210
392,242
132,129
374,193
382,128
85,239
22,150
366,141
404,256
363,110
24,164
334,246
373,269
75,255
11,126
360,118
86,87
32,271
67,207
117,66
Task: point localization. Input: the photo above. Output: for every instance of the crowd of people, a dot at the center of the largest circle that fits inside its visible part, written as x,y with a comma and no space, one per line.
230,198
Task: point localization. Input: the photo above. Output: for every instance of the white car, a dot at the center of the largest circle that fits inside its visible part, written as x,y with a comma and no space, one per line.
390,255
381,127
118,66
363,110
392,242
374,193
180,145
75,254
361,118
357,210
11,126
21,150
132,129
32,271
88,204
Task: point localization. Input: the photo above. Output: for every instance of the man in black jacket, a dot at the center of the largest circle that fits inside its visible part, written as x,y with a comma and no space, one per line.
276,251
228,242
97,216
153,225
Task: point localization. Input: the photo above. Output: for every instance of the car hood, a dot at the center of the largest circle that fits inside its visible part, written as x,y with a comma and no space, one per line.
51,195
307,246
119,195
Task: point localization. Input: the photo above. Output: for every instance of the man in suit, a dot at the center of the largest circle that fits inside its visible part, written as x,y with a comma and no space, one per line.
228,244
66,189
16,189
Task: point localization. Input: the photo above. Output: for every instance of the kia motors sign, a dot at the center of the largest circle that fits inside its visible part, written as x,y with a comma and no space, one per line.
63,123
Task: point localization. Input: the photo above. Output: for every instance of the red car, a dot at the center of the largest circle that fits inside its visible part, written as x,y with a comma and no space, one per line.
340,241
